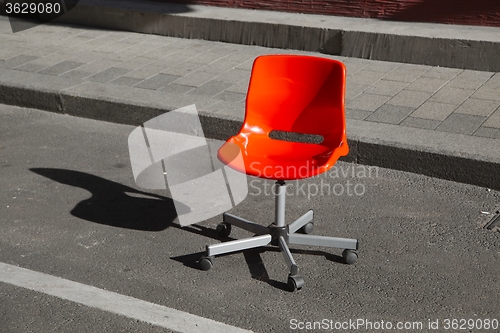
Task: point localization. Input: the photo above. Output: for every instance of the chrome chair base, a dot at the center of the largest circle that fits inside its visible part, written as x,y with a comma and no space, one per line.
277,234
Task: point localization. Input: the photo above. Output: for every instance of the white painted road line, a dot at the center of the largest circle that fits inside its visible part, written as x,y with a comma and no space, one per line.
130,307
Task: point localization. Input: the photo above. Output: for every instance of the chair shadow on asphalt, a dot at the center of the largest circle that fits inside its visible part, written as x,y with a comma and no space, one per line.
115,204
121,206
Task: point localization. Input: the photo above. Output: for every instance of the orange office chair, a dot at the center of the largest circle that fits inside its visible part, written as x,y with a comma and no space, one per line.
289,97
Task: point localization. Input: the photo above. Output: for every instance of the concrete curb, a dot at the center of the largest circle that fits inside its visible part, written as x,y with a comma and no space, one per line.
455,157
465,47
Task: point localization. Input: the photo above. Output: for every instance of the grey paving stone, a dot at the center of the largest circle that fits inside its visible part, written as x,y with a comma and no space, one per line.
367,102
493,120
234,76
166,63
36,81
230,96
17,61
108,75
225,48
202,101
66,32
54,59
243,55
182,43
493,82
156,82
160,52
386,87
407,73
356,114
382,66
76,40
222,50
100,41
119,35
210,88
173,59
221,66
29,67
135,63
114,47
478,107
105,92
451,95
390,114
488,132
13,51
145,72
354,65
61,68
85,57
461,123
428,84
77,74
45,51
420,123
139,39
233,109
93,33
470,79
207,57
365,77
102,55
126,81
487,93
197,46
196,78
189,54
130,52
183,68
241,87
77,49
177,89
410,98
353,90
245,65
99,66
33,38
434,110
157,39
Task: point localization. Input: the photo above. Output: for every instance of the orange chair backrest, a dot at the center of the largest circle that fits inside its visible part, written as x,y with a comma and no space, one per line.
295,93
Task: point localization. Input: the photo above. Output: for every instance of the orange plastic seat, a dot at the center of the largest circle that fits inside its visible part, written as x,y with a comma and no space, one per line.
297,94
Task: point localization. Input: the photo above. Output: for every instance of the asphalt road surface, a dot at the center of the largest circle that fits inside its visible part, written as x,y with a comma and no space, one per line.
69,208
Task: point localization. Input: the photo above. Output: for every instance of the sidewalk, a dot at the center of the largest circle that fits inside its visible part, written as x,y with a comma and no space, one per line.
446,45
442,122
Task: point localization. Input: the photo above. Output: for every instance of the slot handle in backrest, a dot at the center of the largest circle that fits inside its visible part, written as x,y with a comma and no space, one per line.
296,137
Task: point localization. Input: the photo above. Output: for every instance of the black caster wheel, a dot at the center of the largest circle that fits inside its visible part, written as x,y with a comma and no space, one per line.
223,229
308,228
206,263
350,256
295,282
